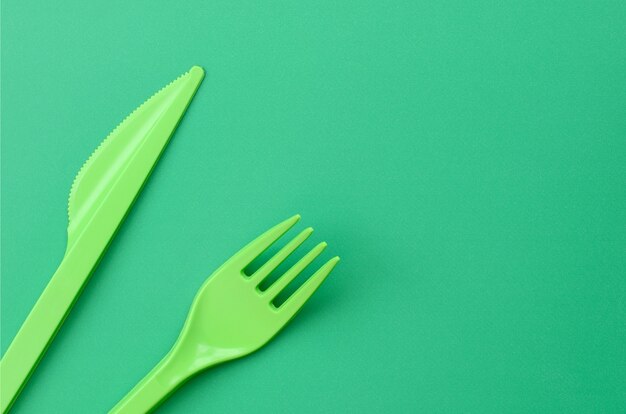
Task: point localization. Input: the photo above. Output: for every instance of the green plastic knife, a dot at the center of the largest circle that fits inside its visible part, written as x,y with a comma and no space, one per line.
101,196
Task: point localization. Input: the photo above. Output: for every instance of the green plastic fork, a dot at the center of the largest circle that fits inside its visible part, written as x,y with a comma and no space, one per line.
230,316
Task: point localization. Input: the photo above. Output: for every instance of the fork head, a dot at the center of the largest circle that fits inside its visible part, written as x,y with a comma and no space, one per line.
231,316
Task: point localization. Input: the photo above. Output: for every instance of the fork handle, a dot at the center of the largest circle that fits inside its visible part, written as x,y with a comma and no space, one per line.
151,390
169,374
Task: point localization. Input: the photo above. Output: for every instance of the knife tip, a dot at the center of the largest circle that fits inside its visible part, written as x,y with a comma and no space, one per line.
196,72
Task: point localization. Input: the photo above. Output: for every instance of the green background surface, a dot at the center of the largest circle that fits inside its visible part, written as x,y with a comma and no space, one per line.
467,160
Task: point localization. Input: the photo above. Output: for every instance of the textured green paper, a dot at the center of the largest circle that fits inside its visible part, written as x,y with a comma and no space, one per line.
467,160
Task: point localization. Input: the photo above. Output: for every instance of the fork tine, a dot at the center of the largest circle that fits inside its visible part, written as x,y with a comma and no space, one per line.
280,257
246,255
294,303
295,270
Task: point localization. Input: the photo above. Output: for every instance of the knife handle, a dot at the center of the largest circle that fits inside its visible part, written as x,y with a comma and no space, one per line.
42,324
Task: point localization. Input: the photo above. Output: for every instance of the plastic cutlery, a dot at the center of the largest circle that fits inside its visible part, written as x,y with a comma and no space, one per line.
101,196
230,316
